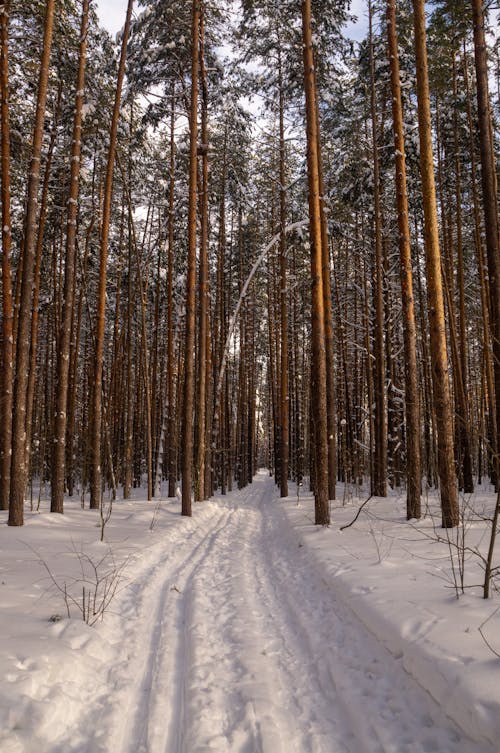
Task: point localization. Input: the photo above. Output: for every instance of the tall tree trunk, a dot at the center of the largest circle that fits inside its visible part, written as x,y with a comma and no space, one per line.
188,388
462,404
379,481
35,315
64,340
203,306
6,359
439,357
491,429
172,444
331,407
96,428
284,396
129,378
413,467
318,360
490,201
19,458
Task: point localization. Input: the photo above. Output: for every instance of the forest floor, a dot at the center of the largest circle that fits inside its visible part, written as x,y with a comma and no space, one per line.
245,629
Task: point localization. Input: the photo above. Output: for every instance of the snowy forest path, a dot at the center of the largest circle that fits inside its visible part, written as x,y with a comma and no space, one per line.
237,643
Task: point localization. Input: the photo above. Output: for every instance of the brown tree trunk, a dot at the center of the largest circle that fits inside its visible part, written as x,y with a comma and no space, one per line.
19,458
491,429
413,467
318,360
203,309
64,340
462,404
439,357
6,360
172,444
96,428
379,481
129,378
331,418
188,388
284,396
490,201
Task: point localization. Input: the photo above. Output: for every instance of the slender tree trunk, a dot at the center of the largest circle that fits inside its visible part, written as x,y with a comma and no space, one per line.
129,400
439,357
491,428
6,359
490,202
331,418
96,428
144,343
64,341
172,444
462,405
318,360
188,390
413,467
379,481
203,311
284,396
19,458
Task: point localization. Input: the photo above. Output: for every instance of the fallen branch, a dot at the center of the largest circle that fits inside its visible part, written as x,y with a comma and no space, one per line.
342,528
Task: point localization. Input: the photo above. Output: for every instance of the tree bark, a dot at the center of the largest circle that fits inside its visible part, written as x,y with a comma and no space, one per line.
19,458
284,387
439,357
96,428
6,361
318,359
379,480
188,387
413,466
490,202
203,304
64,340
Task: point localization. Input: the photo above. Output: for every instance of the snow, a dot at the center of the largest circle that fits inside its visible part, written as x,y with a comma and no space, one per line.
243,629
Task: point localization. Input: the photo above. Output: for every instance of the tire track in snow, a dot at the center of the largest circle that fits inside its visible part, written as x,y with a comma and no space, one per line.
217,715
158,719
308,717
252,684
130,710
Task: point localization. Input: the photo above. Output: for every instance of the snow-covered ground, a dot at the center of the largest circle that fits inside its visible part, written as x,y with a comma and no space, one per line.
245,629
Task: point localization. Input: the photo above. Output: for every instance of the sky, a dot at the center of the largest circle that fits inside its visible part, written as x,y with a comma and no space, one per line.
112,15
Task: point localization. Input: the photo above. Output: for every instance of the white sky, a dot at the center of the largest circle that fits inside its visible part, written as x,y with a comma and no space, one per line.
112,14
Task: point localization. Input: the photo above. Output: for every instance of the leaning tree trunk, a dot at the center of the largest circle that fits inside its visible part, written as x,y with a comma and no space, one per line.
437,325
19,470
64,340
96,428
318,360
